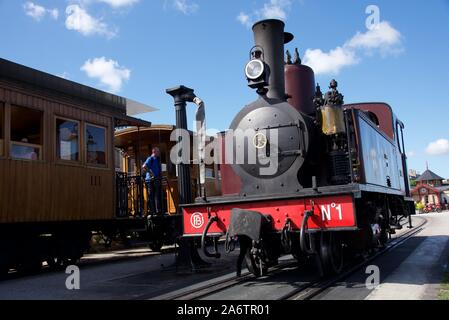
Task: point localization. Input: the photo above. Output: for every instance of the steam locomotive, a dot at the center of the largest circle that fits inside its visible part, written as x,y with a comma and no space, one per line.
311,176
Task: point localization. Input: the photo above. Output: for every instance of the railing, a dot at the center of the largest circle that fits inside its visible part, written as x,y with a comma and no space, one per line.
121,190
131,193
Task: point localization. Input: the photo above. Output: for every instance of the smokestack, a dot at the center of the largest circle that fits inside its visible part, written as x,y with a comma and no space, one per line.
270,36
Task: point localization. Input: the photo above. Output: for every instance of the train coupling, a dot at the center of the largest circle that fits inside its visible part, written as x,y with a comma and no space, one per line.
249,227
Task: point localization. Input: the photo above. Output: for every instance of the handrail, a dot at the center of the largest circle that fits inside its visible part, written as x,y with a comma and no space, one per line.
303,235
215,254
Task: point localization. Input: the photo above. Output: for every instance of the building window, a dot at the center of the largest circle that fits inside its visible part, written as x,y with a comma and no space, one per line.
96,145
26,133
2,129
67,140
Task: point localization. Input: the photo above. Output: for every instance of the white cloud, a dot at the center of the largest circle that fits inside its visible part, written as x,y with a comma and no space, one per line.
274,9
383,38
329,62
438,148
411,154
119,3
78,19
38,12
186,6
108,72
244,19
54,13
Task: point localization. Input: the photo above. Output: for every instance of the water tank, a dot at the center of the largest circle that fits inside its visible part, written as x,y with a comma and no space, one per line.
300,87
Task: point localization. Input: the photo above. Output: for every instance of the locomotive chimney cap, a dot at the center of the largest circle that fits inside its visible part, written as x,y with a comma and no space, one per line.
288,37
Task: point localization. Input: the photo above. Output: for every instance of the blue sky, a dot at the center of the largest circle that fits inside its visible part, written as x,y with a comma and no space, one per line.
138,48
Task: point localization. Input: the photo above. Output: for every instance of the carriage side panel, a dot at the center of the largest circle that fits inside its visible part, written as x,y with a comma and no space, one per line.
48,189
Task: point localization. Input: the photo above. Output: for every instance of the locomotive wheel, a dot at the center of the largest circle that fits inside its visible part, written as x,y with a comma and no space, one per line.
29,255
57,263
156,245
383,239
4,266
254,266
155,235
302,259
331,253
5,261
29,266
3,271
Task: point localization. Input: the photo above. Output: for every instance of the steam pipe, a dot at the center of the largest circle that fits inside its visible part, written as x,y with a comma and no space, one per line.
201,133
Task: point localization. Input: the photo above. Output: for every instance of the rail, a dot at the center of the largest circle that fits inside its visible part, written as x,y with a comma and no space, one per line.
303,292
131,195
311,290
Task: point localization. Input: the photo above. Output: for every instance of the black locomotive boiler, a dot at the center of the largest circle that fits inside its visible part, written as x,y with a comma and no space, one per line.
310,175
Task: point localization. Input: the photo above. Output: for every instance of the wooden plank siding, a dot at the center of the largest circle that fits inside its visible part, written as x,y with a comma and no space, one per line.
51,189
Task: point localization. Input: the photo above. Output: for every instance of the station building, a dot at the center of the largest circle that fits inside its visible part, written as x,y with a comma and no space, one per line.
430,189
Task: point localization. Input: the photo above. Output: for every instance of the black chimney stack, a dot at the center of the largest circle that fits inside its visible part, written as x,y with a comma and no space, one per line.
270,36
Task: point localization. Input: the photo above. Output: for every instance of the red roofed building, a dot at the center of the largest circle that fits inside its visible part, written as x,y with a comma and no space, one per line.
430,189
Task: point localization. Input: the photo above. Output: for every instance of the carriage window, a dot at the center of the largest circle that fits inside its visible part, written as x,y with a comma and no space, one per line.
96,145
26,133
2,134
67,140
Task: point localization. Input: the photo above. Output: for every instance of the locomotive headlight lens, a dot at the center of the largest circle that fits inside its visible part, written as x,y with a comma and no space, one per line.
254,69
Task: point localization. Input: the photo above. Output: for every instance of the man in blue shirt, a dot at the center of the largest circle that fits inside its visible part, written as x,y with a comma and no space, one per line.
153,169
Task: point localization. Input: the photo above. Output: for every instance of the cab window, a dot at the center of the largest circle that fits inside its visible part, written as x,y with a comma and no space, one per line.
67,139
95,145
26,133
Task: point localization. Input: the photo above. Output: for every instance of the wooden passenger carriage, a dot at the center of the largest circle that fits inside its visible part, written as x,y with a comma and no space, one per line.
59,167
134,143
70,164
68,130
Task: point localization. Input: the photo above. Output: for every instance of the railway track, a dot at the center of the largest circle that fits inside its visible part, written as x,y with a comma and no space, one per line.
303,292
92,260
311,290
221,285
